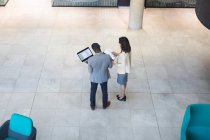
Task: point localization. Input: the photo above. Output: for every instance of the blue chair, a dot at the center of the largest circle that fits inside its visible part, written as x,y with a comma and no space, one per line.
196,122
19,127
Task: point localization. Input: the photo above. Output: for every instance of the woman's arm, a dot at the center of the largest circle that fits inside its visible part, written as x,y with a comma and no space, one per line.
115,53
121,60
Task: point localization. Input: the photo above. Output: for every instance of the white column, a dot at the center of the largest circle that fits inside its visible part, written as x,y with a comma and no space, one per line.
136,14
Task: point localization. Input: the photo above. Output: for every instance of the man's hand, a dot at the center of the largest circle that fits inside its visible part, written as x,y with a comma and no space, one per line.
114,63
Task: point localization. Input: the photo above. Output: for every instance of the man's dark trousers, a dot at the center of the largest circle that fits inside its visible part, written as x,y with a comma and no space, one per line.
93,93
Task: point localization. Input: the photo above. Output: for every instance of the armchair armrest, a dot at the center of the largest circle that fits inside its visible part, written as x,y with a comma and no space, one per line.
4,130
33,134
185,123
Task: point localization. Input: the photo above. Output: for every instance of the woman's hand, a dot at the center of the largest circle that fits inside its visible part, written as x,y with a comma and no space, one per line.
115,53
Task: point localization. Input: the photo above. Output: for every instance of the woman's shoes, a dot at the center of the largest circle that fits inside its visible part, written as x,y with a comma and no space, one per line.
121,99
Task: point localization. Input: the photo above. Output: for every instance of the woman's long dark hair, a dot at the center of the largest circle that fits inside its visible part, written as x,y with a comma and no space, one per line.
125,45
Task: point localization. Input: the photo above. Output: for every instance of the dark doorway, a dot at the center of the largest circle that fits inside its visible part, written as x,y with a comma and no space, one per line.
123,3
170,3
84,3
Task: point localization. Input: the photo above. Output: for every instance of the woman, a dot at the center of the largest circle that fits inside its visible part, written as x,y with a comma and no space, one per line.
123,66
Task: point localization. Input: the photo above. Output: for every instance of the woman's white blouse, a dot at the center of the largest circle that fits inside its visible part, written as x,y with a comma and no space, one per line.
124,63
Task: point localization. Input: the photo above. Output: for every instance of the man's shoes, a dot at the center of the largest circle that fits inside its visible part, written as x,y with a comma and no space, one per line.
92,107
108,104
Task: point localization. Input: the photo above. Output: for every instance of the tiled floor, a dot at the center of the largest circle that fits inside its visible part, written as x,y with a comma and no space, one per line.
42,77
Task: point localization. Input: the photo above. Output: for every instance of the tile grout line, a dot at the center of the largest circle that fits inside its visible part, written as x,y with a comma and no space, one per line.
151,94
40,74
51,34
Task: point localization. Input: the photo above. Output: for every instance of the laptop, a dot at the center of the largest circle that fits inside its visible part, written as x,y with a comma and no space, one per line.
85,54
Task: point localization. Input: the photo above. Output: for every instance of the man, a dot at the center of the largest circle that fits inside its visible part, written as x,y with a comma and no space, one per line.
98,67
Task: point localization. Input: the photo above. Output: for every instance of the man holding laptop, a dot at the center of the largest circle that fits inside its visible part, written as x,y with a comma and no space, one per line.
98,67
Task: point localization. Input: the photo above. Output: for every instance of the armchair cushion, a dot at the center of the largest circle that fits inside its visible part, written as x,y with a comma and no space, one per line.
4,130
21,124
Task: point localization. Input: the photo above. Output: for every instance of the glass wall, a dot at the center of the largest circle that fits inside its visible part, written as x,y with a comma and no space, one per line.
3,2
170,3
86,3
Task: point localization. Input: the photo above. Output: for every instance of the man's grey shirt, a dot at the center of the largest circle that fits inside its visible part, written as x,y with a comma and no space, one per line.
98,67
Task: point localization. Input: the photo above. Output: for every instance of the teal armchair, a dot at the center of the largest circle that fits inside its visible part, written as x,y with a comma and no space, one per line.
19,127
196,122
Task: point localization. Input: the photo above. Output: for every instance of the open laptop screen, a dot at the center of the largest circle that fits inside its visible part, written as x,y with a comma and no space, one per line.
85,54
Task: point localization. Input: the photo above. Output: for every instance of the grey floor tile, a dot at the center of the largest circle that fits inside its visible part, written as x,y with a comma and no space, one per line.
71,72
150,51
45,101
44,132
56,50
37,49
138,85
34,61
99,120
90,133
30,72
51,72
149,133
71,85
5,48
196,72
26,85
170,133
86,100
173,62
139,100
65,133
7,85
67,117
181,86
9,72
48,85
200,86
118,117
138,73
20,101
143,118
203,98
43,117
169,117
4,100
152,61
177,101
14,61
122,133
177,72
156,73
160,86
69,100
